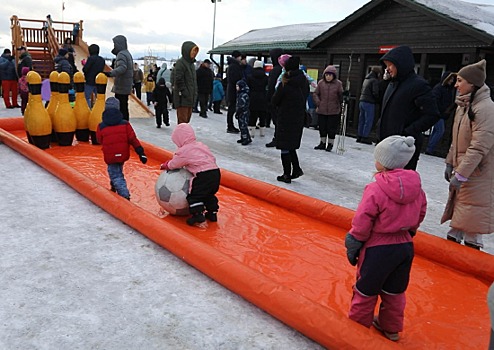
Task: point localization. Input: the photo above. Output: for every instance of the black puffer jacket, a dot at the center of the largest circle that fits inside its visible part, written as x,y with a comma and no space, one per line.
370,88
290,99
95,64
258,82
408,107
205,78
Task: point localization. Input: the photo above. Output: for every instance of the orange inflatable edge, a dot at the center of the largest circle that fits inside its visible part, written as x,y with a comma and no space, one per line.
317,322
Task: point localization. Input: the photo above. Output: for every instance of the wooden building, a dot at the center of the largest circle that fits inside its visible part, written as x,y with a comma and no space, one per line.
444,35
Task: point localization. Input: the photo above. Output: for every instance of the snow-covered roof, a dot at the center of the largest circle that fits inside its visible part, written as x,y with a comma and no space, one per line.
479,16
293,37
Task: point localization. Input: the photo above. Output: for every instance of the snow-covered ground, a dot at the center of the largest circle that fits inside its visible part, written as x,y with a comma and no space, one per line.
75,277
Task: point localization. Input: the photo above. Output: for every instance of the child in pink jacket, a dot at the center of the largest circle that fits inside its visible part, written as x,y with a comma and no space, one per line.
198,160
380,240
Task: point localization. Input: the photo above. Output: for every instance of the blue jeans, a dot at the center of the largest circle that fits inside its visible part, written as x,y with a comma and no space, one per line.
115,171
437,133
88,90
366,118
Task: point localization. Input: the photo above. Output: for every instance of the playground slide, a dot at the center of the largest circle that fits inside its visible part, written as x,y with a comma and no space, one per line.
137,109
284,252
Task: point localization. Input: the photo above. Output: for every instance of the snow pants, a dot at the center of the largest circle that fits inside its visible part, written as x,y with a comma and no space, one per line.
384,272
203,192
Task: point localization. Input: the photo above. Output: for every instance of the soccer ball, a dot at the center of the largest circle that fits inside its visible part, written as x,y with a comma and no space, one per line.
172,189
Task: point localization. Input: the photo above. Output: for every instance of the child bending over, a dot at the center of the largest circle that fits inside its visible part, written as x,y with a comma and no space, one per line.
198,160
380,240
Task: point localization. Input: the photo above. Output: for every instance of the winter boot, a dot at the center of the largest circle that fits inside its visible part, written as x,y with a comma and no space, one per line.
272,143
297,171
330,145
286,161
196,218
261,131
322,144
211,216
245,142
390,336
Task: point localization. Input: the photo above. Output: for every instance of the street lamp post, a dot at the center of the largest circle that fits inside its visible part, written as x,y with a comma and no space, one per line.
214,20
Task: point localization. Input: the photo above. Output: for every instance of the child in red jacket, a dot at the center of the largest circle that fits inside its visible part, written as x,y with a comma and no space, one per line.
380,239
116,135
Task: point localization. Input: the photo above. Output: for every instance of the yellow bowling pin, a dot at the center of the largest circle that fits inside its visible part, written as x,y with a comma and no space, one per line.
96,115
64,122
36,119
81,109
53,104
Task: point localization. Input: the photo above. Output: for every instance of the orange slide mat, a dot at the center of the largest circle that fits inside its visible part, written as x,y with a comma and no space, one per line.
284,252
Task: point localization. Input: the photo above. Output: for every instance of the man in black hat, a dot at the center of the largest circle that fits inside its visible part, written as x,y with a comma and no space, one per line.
233,74
205,77
25,60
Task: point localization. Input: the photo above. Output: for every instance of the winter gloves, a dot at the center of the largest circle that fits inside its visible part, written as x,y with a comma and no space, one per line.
164,166
448,172
352,248
455,182
142,156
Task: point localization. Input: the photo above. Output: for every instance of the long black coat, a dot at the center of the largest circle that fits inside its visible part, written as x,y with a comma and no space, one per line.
233,74
258,82
205,77
290,98
409,107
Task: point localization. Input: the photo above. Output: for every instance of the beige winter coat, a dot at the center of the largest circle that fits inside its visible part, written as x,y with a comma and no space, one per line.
472,156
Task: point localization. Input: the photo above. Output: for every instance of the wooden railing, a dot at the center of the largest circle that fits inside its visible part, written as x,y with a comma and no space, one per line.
43,38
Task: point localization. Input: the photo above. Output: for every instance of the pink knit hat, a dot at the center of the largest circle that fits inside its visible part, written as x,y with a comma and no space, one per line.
282,59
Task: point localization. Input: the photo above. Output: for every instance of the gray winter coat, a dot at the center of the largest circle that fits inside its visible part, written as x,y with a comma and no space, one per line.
370,88
124,70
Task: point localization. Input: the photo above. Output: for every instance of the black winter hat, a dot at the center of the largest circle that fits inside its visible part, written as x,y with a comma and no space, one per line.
236,54
293,63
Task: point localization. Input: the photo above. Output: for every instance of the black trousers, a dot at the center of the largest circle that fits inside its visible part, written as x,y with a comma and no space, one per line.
124,105
203,104
328,125
255,115
203,192
161,114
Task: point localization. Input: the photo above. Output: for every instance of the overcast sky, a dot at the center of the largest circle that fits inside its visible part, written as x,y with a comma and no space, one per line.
160,27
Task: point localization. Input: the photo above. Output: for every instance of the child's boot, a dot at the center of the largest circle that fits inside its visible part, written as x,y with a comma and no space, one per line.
196,218
211,216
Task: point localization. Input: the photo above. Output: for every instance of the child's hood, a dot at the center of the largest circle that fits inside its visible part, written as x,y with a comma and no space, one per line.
402,186
112,116
183,134
242,84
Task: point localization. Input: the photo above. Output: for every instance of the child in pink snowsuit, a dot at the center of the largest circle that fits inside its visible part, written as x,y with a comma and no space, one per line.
198,160
380,240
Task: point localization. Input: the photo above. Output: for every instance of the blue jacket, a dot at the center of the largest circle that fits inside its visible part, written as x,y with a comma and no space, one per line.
7,68
218,91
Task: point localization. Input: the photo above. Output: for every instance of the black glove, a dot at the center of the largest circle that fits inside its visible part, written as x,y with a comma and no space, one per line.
108,74
352,248
143,158
448,172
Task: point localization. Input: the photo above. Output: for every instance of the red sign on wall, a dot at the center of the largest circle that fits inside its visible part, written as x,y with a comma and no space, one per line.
386,48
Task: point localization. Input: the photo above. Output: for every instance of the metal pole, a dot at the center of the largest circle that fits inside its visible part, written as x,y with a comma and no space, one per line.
214,23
